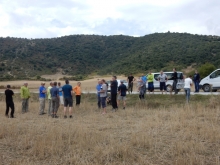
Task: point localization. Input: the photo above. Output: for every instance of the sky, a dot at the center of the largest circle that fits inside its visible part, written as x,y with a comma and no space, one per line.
56,18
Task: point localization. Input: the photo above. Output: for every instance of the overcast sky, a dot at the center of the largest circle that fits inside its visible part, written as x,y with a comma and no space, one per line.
55,18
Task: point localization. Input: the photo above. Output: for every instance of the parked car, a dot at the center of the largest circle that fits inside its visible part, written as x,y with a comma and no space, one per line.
211,82
169,83
119,82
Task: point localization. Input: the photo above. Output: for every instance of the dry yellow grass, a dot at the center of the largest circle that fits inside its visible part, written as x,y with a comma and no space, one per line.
179,134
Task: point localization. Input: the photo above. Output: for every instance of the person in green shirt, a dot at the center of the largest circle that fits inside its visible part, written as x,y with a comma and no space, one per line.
49,99
150,80
25,95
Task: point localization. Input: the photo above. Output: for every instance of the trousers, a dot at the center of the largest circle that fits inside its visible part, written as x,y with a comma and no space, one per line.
10,105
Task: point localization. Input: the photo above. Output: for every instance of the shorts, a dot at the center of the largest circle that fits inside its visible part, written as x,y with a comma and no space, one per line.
68,102
163,86
122,98
103,102
151,86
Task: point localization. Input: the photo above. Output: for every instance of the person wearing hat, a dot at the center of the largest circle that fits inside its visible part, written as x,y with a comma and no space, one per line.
42,96
25,95
9,102
122,94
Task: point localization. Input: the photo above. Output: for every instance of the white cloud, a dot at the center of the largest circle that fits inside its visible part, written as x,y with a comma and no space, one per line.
53,18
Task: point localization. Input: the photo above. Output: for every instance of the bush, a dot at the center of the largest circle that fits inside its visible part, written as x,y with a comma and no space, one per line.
206,69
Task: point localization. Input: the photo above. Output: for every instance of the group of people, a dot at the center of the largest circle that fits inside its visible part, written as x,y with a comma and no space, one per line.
56,94
63,95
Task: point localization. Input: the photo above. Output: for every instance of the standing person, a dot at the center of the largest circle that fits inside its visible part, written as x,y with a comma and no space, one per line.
187,86
150,79
49,99
130,80
77,90
175,79
25,95
68,99
54,91
60,93
122,94
98,88
162,78
142,89
114,91
9,102
42,96
144,79
103,95
196,79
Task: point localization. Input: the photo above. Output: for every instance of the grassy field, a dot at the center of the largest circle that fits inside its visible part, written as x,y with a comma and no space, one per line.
161,130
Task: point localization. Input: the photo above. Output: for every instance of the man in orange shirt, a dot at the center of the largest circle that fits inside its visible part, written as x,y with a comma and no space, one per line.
77,91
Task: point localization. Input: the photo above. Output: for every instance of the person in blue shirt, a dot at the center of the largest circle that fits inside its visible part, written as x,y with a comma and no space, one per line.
144,79
54,91
60,93
122,89
42,96
98,88
68,99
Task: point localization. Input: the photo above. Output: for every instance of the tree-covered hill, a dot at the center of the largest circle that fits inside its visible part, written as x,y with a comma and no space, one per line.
84,54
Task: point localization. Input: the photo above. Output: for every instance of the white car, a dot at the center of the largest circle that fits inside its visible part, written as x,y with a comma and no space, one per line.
169,83
211,82
119,82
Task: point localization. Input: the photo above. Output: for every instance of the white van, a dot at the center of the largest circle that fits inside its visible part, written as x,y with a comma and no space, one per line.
119,82
169,83
212,81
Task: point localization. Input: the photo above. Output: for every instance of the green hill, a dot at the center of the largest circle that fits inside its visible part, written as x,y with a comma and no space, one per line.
22,58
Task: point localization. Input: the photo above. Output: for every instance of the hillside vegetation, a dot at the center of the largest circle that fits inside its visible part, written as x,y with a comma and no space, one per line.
85,54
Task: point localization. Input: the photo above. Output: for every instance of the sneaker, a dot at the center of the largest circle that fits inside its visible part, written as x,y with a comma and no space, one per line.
55,116
124,108
40,113
44,113
52,115
71,116
65,117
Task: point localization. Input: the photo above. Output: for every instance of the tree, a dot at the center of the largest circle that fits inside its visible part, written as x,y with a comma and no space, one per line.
206,69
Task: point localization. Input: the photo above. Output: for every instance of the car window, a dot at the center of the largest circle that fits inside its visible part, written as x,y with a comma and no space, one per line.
156,76
215,74
169,76
179,75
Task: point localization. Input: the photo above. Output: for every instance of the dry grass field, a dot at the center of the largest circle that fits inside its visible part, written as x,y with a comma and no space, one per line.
161,130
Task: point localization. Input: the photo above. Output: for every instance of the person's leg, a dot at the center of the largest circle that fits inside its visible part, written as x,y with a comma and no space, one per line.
57,104
41,106
23,105
175,89
49,107
188,94
124,102
132,87
114,101
27,105
197,86
99,101
7,109
185,89
70,107
103,102
12,109
53,107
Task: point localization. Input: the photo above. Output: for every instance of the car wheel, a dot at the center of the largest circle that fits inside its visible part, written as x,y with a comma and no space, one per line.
214,90
169,88
206,88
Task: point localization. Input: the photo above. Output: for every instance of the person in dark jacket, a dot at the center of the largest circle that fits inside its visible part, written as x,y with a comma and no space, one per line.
196,79
175,80
9,102
114,91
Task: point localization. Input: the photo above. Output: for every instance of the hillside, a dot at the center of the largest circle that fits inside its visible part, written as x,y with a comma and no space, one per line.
22,58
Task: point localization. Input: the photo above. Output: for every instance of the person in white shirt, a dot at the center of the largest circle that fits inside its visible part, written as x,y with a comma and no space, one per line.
187,86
